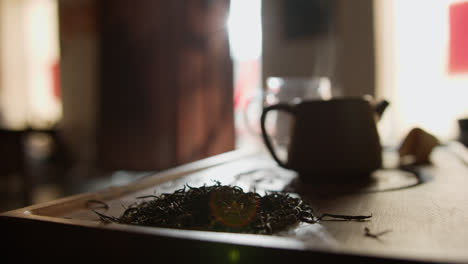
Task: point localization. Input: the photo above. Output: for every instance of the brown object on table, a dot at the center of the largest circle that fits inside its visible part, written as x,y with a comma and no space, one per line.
417,147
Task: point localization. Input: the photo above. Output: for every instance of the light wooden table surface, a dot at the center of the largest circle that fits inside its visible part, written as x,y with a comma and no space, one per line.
425,214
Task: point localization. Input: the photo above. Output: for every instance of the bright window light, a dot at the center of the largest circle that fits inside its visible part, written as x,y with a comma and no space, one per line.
245,29
413,59
29,56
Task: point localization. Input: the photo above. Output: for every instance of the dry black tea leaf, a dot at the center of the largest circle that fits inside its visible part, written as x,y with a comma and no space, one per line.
220,208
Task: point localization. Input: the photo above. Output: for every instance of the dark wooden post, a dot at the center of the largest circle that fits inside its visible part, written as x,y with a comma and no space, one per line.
165,95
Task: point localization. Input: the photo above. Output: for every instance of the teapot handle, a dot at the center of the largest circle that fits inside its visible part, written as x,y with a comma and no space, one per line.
282,107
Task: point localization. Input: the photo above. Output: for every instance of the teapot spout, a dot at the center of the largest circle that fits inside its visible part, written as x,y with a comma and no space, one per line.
380,107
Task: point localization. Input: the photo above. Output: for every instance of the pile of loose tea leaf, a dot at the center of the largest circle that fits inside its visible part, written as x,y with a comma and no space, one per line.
220,208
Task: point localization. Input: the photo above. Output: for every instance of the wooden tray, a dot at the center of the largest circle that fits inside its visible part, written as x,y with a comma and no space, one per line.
427,220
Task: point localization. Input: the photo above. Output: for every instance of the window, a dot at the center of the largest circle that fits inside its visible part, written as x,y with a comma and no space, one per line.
421,54
29,57
245,39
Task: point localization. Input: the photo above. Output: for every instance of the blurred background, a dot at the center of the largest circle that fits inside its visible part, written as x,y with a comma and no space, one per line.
97,93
